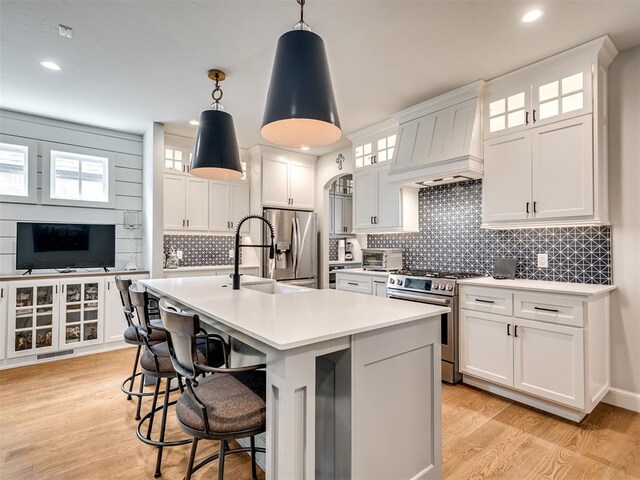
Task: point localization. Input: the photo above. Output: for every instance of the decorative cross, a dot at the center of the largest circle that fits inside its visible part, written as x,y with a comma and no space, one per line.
339,161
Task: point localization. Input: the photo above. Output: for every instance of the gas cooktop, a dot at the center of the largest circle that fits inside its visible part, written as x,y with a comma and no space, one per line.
436,274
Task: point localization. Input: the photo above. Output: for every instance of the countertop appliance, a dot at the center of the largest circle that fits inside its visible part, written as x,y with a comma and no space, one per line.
296,247
382,259
435,288
348,251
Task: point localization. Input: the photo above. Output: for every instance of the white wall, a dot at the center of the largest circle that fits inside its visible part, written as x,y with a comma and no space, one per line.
624,197
153,189
127,149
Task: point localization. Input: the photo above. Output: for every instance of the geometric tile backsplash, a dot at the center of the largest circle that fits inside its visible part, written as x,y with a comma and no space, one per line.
333,249
201,250
450,238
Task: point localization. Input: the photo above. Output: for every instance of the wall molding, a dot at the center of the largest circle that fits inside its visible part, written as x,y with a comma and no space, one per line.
623,399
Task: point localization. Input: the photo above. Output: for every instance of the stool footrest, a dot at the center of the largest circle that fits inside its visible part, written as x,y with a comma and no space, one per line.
157,443
215,456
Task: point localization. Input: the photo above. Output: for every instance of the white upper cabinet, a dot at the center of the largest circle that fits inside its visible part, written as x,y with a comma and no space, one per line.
375,144
507,186
380,206
546,136
186,203
562,94
288,183
562,168
538,99
228,204
341,214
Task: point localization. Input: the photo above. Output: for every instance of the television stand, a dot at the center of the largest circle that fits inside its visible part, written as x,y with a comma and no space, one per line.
28,272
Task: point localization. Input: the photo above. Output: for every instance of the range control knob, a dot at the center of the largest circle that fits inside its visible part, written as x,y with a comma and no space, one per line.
449,287
392,281
442,286
399,282
435,286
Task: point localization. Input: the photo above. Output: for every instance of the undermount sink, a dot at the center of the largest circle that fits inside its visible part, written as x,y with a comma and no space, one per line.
275,288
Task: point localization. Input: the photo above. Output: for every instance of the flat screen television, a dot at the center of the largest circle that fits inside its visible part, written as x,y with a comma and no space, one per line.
65,246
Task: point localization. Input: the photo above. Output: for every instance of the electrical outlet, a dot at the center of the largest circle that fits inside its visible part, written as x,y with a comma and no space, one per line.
179,254
232,254
543,260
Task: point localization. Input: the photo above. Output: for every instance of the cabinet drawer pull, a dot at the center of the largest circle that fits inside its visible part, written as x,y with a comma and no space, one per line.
526,118
353,283
535,207
231,224
484,301
534,115
508,329
528,207
542,309
187,223
515,331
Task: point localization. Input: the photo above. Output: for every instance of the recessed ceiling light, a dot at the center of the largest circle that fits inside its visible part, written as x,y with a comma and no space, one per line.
50,65
304,148
532,16
194,122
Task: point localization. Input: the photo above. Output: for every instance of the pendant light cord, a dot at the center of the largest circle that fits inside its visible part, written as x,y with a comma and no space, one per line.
301,3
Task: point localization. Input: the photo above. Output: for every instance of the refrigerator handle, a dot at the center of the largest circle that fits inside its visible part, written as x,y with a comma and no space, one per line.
299,247
294,245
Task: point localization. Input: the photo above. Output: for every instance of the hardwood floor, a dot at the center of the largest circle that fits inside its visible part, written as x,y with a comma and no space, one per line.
68,420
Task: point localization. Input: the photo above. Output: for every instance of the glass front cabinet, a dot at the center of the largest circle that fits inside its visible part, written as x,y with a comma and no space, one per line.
47,315
32,318
81,304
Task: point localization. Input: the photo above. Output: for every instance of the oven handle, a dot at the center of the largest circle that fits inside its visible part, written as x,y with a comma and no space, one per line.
433,300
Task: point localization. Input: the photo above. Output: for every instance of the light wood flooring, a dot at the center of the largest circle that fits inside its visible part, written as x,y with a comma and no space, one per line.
68,420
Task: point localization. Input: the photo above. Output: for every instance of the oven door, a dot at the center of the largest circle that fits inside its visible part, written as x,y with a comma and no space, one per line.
447,320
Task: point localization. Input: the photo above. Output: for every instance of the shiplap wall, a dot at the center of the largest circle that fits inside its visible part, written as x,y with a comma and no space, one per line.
127,149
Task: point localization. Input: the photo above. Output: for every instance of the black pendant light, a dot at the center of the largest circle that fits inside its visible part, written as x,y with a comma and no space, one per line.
301,109
216,155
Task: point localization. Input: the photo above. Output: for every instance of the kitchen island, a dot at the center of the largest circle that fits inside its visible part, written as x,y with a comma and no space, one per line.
353,381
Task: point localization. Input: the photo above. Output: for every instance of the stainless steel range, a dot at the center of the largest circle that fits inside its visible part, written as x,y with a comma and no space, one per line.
436,288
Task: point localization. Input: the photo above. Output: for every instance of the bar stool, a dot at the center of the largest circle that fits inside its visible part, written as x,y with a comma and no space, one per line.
132,336
155,363
227,405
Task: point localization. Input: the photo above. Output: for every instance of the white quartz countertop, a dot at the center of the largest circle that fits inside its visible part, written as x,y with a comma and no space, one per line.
362,271
207,267
289,320
540,286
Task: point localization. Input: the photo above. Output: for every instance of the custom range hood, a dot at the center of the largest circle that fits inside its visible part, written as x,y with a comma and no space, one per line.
440,140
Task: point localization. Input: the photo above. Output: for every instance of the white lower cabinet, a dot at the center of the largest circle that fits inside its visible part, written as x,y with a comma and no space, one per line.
362,282
3,320
81,312
74,314
115,323
486,351
549,362
379,287
557,356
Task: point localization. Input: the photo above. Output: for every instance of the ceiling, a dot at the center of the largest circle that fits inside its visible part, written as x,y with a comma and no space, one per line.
133,62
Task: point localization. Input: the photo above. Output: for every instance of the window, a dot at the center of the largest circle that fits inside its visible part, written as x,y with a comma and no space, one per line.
561,96
18,169
14,170
75,176
173,159
363,155
385,148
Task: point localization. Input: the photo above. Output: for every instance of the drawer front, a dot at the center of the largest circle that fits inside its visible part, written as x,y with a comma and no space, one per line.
491,300
354,283
558,309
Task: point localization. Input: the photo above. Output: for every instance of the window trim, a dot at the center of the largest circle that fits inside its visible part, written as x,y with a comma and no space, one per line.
46,149
32,170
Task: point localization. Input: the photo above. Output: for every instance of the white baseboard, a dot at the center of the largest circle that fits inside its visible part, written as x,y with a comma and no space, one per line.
623,399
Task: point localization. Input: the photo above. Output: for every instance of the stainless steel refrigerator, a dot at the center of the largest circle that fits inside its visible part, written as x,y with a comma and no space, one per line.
296,258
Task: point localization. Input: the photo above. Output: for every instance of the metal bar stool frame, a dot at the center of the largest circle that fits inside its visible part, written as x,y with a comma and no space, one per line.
140,301
123,289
